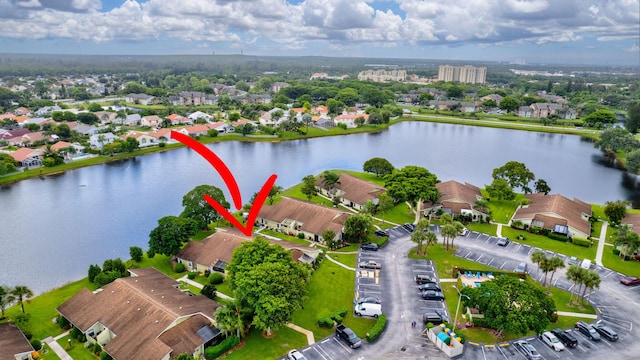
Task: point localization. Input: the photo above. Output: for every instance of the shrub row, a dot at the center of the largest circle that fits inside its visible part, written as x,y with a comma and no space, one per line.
216,278
377,328
337,316
581,242
558,237
225,345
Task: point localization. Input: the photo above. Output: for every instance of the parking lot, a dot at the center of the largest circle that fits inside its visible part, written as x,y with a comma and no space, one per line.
330,348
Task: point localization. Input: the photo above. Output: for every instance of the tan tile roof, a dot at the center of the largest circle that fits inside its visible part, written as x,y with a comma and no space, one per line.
161,132
12,342
137,310
218,246
355,189
60,145
557,206
23,154
456,195
315,219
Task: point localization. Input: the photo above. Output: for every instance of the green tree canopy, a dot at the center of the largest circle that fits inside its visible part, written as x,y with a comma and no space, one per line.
198,209
600,117
617,139
349,96
412,183
616,210
172,231
516,174
378,166
87,118
356,227
501,190
632,123
21,293
509,104
308,187
511,306
541,186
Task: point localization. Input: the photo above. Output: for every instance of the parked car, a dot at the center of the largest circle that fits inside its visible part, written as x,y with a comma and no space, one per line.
551,340
606,332
369,299
368,309
295,355
566,337
429,286
370,247
528,350
522,267
370,264
588,330
572,260
630,280
409,227
586,264
347,335
434,316
465,232
503,241
423,279
432,295
381,233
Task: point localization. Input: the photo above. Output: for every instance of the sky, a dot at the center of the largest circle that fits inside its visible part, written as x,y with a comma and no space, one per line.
599,32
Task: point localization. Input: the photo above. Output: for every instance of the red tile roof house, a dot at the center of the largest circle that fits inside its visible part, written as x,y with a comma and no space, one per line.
13,344
143,317
27,157
293,216
457,199
352,191
556,213
215,252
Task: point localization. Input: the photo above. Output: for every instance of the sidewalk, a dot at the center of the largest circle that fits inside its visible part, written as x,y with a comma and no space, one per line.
574,314
309,334
200,286
56,348
601,243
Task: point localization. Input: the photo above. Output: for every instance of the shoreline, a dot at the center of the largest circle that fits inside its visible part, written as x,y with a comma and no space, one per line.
41,172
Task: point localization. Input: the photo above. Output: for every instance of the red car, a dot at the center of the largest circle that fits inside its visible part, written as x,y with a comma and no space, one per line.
630,280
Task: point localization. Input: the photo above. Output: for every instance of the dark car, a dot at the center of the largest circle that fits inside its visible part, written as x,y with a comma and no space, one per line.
502,242
587,330
409,227
527,350
434,316
369,300
566,337
432,295
606,332
423,279
381,233
347,335
429,286
630,280
370,247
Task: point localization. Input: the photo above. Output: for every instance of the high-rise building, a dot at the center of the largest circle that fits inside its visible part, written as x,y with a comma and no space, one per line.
383,75
465,74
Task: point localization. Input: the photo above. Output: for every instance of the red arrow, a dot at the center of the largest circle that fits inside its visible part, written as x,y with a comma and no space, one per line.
231,183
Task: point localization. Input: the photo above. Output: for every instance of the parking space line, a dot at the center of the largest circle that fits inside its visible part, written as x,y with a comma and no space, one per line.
343,346
320,350
503,264
489,264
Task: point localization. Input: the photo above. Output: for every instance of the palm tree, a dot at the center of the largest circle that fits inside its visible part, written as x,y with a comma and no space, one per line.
555,263
330,179
574,275
448,231
431,239
420,233
537,257
626,240
593,282
229,319
459,229
21,293
6,298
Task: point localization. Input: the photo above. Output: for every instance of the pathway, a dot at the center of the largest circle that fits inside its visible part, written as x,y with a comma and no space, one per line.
339,263
575,314
310,339
601,243
200,286
499,230
56,348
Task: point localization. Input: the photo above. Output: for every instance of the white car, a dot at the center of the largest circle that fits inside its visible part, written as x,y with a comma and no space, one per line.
552,341
295,355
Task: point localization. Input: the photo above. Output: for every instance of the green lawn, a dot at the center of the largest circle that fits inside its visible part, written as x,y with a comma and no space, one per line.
445,261
330,289
503,210
48,354
613,262
77,351
544,242
491,229
259,347
347,259
400,214
162,263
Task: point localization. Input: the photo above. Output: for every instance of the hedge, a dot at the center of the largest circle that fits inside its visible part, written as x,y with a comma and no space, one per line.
225,345
179,268
216,278
326,322
377,328
558,237
581,242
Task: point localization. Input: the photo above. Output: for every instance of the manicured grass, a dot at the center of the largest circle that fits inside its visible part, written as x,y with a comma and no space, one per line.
225,288
445,261
77,351
162,263
613,262
347,259
330,289
48,354
42,309
349,248
290,238
259,347
544,242
294,192
611,235
201,235
399,214
503,210
596,228
561,299
491,229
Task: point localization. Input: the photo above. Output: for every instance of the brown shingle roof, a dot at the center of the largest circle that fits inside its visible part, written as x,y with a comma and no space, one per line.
218,246
137,310
355,189
12,342
183,338
459,196
634,221
557,206
314,218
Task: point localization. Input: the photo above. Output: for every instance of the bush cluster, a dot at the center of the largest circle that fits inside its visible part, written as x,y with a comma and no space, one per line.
192,275
225,345
216,278
325,322
558,237
337,316
581,242
377,328
179,268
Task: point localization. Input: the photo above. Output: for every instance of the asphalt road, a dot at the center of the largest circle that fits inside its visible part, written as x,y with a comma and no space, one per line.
618,306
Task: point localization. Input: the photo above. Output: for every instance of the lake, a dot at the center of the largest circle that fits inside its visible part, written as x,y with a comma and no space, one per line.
53,228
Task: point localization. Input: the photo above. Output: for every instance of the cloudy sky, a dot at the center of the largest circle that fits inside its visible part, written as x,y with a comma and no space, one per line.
536,31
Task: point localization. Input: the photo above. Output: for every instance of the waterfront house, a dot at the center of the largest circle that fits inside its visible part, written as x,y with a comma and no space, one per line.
13,344
351,191
556,213
457,199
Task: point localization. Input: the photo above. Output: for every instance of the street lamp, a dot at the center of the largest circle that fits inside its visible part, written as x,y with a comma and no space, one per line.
458,307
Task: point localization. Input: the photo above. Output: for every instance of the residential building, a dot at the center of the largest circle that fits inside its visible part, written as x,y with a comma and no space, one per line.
145,316
293,216
153,121
466,74
13,344
381,75
142,99
556,213
349,119
27,157
144,139
99,140
351,191
200,115
457,199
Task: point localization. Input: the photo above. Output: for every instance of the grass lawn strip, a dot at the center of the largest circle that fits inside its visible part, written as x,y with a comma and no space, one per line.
77,351
259,347
546,243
